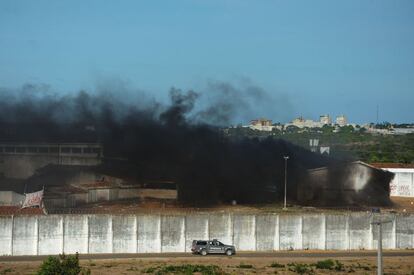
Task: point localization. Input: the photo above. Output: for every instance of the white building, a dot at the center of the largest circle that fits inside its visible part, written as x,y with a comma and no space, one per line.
325,120
261,124
341,120
403,183
300,122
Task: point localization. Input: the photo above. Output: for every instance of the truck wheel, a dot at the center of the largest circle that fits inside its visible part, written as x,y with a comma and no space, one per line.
203,252
229,252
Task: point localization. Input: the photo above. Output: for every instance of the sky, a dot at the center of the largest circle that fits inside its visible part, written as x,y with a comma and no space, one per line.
311,57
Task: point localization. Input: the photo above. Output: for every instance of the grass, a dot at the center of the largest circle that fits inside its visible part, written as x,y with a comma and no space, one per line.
277,265
330,265
186,269
5,271
303,269
244,266
364,267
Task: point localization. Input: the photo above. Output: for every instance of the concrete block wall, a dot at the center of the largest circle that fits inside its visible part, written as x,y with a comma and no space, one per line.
54,234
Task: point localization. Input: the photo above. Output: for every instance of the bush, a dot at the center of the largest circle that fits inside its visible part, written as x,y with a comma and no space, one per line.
5,271
326,264
300,268
277,265
339,266
330,264
62,265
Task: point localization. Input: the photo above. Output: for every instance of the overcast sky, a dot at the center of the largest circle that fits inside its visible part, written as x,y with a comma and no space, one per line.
313,57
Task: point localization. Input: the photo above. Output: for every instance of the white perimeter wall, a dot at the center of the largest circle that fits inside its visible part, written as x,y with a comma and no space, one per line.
54,234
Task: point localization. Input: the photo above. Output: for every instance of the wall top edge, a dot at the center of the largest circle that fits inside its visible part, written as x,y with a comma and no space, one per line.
208,214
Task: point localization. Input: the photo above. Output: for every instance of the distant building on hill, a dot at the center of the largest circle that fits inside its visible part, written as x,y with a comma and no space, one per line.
300,122
341,120
261,124
325,120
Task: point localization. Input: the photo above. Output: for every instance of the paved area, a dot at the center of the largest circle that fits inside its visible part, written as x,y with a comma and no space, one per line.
283,254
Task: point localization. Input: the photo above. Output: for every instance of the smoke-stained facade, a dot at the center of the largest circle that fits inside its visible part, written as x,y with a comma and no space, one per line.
355,183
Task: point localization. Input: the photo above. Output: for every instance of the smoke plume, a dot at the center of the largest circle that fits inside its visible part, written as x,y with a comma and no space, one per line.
180,141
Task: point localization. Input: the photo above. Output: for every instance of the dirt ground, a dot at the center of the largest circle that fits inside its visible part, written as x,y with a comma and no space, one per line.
228,265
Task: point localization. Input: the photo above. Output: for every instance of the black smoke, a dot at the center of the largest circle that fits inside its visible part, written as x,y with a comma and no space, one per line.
162,141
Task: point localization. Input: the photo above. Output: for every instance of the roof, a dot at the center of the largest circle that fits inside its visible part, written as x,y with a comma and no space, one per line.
16,210
392,165
54,175
16,185
345,163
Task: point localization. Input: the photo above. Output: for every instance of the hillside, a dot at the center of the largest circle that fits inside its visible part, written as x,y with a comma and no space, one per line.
348,143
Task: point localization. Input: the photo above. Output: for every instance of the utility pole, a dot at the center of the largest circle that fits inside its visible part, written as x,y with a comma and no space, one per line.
284,204
379,247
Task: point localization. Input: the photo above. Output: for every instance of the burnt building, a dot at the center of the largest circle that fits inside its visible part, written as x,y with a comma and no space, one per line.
355,183
21,160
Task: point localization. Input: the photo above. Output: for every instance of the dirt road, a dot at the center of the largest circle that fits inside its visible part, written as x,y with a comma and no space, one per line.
291,262
279,254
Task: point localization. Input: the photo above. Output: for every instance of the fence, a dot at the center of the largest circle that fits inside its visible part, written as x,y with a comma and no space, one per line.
54,234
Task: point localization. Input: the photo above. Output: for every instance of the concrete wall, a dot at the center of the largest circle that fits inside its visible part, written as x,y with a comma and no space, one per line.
337,232
403,183
75,234
6,227
10,198
54,234
290,232
172,233
267,233
313,232
149,234
196,229
244,232
360,231
124,228
50,235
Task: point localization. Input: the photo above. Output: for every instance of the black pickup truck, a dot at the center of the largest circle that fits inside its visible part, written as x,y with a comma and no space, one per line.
212,247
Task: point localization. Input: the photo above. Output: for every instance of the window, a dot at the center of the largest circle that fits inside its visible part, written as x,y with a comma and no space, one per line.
96,150
20,149
32,149
65,150
43,149
76,150
87,150
9,149
53,149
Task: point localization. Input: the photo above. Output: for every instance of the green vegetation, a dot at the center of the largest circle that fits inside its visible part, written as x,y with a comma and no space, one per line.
5,271
301,268
277,265
185,269
359,266
345,142
330,264
62,265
